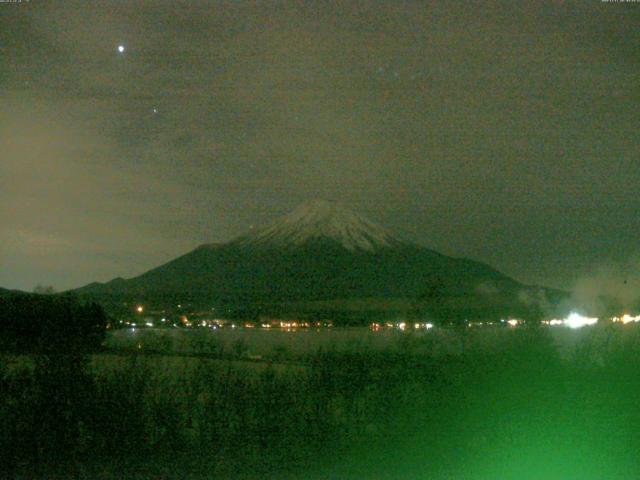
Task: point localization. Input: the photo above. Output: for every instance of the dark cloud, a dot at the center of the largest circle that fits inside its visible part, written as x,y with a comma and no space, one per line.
500,131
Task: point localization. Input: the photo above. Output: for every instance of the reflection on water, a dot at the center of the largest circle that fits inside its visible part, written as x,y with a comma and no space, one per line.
296,343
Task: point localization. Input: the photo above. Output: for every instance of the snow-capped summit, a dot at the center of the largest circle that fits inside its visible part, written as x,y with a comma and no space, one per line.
323,220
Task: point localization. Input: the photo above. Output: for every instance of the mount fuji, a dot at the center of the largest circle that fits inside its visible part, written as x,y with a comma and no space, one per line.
323,259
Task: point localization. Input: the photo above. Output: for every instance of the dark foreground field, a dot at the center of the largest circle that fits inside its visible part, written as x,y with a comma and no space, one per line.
520,411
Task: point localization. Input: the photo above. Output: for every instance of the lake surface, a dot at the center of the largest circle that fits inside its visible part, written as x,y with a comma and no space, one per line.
258,342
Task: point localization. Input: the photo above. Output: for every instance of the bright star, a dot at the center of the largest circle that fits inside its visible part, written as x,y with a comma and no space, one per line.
121,48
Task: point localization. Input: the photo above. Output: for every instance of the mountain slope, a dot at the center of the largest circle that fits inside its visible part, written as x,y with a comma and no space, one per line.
321,252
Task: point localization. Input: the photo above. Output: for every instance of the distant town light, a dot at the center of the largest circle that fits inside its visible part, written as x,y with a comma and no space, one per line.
139,309
626,318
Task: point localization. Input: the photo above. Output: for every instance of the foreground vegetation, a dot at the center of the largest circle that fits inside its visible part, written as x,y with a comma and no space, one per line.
519,411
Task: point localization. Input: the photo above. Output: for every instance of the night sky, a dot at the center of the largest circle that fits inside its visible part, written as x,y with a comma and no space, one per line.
503,132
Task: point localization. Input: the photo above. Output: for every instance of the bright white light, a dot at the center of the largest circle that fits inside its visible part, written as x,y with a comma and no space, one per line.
555,322
513,322
139,309
429,325
149,324
575,320
121,48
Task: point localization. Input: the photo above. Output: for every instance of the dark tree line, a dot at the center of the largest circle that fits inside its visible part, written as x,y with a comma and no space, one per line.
41,430
46,323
